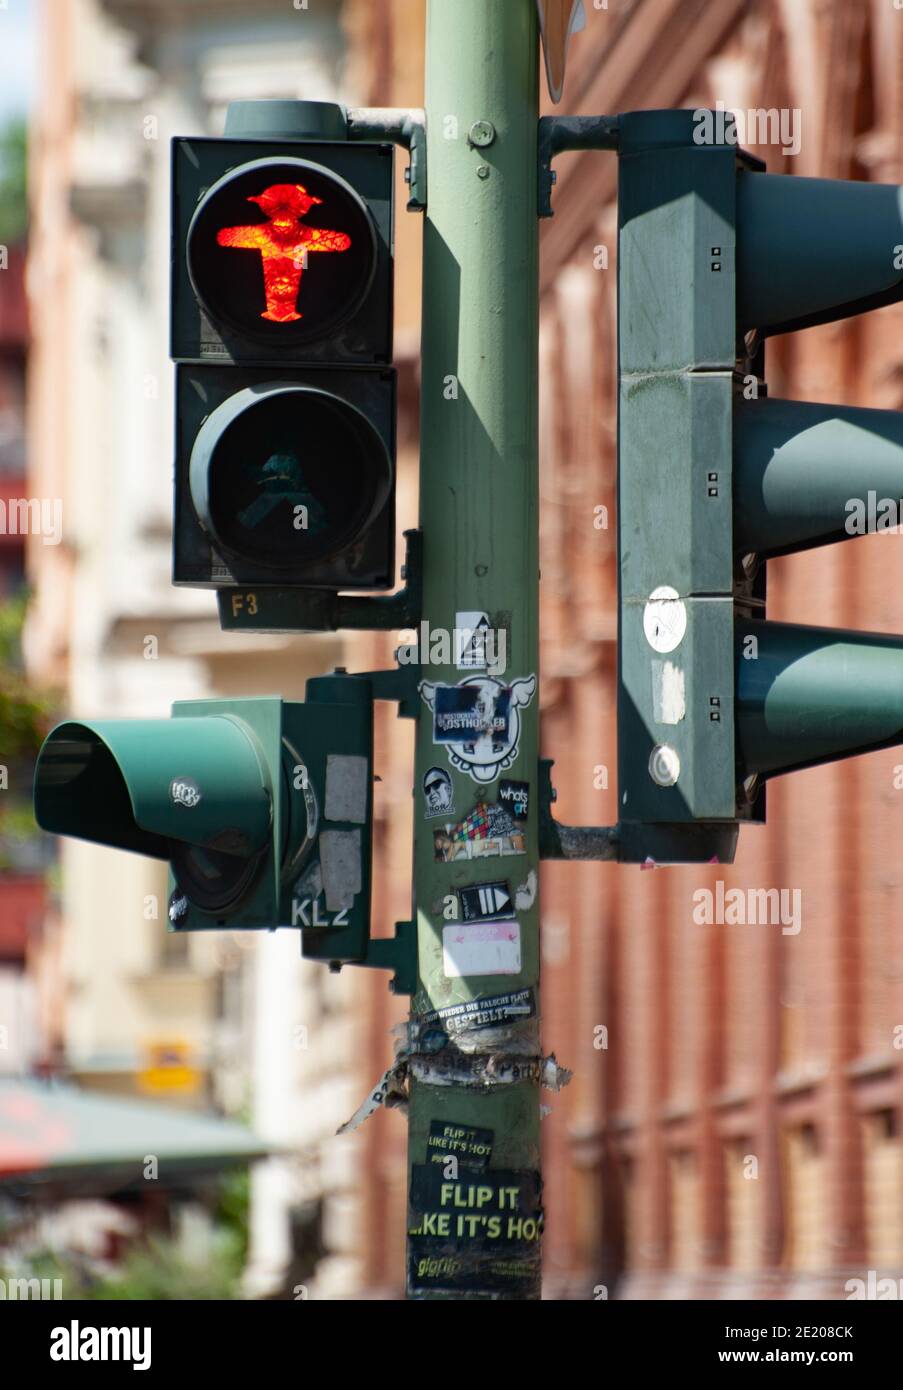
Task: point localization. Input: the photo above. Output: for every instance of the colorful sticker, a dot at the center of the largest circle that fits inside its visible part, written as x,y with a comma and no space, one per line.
438,793
478,722
486,831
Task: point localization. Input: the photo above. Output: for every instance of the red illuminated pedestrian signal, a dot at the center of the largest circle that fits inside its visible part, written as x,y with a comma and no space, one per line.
251,245
283,243
282,252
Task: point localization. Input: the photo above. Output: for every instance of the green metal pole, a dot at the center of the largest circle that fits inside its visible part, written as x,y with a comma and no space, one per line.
474,1228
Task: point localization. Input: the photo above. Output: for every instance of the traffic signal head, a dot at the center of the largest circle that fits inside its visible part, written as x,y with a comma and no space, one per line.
282,329
714,477
282,251
262,808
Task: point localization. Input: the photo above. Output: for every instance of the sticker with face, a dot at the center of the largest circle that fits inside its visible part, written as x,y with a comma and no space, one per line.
478,723
438,793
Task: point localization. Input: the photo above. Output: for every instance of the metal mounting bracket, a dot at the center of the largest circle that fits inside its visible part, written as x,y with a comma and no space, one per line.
558,133
405,127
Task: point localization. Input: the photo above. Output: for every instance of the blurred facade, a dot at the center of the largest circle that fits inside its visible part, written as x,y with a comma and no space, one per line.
733,1124
22,861
236,1022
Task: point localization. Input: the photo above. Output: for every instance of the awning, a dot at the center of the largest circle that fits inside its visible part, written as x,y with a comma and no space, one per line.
52,1132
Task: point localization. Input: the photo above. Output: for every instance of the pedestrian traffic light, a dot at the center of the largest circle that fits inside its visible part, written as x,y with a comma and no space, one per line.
282,331
715,478
262,807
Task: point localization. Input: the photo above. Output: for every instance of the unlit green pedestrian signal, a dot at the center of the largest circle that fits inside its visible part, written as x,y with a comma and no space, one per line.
284,478
715,478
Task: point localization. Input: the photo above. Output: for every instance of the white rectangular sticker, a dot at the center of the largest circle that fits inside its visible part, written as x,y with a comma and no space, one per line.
481,948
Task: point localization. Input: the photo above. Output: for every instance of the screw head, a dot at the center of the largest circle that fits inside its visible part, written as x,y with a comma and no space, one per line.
483,171
481,133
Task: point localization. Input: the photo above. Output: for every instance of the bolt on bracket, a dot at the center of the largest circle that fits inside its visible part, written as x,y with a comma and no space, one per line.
558,133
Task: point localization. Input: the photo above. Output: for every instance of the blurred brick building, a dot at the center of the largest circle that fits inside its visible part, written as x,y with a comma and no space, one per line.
740,1133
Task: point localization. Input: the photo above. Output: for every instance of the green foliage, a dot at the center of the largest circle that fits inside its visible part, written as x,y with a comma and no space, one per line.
157,1270
154,1269
24,716
23,713
233,1211
12,620
13,182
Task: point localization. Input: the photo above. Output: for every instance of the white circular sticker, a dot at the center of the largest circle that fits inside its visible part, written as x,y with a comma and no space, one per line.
664,765
664,619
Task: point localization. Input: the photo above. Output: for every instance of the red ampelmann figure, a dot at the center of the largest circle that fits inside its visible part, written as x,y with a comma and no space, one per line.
283,244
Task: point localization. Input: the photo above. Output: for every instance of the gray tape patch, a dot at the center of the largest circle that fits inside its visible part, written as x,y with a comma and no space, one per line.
347,778
340,866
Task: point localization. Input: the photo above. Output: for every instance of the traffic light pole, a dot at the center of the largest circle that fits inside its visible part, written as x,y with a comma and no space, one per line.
474,1224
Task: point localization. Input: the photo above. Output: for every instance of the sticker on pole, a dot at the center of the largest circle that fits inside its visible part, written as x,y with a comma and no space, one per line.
487,1011
474,637
664,619
486,902
472,1147
480,948
478,722
482,1232
487,831
438,793
515,796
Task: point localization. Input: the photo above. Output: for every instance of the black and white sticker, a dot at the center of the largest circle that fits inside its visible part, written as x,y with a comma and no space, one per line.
486,902
184,791
473,637
438,793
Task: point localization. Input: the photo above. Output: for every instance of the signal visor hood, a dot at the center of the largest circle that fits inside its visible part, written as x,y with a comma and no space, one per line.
139,784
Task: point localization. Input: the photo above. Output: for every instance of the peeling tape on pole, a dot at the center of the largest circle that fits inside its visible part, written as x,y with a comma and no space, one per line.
452,1067
390,1091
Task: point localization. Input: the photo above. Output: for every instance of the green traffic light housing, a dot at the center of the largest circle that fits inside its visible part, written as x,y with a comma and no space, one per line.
262,807
281,328
715,477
